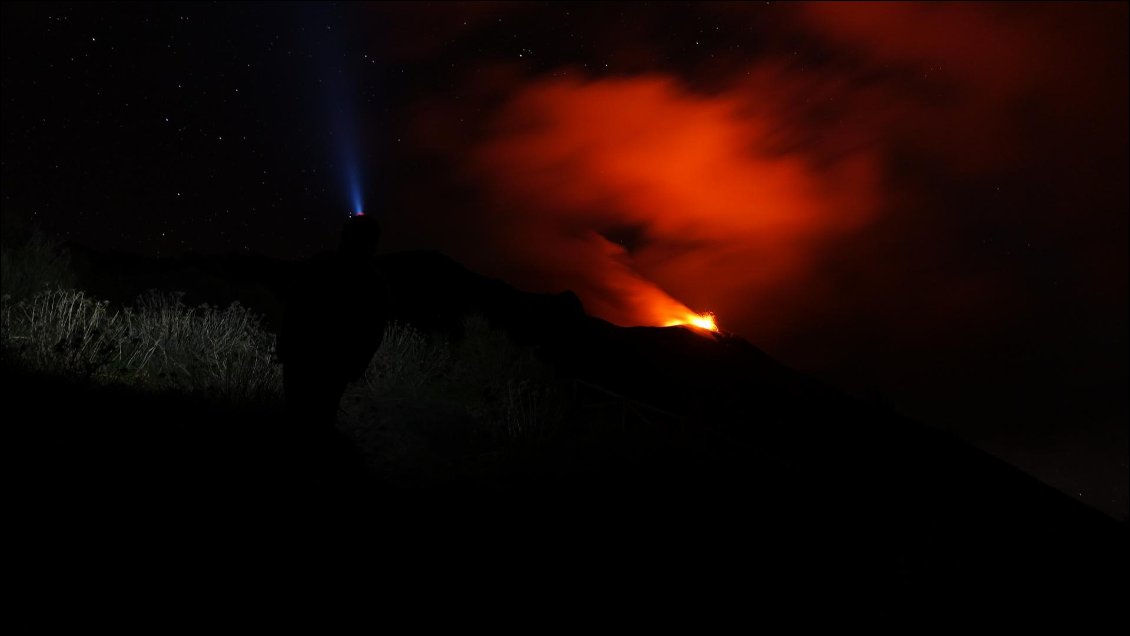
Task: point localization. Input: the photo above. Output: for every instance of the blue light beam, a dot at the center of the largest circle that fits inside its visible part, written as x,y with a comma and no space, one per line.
337,86
355,189
347,153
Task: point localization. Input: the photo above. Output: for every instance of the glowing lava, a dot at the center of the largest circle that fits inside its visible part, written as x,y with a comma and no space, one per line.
702,321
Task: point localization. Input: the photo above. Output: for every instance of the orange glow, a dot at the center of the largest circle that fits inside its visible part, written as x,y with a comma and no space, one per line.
705,321
644,197
702,321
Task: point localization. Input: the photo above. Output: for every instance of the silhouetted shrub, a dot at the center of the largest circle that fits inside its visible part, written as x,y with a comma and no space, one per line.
502,383
158,343
408,363
479,388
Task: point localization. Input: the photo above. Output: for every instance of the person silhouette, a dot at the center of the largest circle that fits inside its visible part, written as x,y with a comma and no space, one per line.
334,316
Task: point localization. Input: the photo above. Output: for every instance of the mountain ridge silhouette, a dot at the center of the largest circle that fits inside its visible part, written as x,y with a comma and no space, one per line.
744,458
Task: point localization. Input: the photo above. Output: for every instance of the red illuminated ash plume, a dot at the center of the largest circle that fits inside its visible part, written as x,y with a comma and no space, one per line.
635,192
655,198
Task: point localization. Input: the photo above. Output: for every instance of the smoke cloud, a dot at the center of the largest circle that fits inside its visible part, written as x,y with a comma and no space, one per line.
860,177
646,198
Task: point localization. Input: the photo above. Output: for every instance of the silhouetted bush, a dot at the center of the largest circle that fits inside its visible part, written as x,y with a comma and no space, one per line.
503,383
407,364
479,394
158,343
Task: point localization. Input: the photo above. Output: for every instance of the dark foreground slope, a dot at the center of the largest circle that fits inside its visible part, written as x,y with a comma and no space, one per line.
725,473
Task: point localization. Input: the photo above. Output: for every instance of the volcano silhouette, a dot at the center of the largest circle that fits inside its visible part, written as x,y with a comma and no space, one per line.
727,463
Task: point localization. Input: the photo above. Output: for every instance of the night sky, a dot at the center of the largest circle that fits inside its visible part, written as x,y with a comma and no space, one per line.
925,205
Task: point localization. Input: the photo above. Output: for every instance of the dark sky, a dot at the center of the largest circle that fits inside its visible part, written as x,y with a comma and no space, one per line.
927,203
